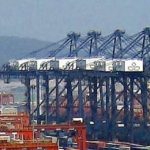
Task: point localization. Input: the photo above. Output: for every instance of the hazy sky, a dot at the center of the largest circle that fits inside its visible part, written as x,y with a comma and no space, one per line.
51,20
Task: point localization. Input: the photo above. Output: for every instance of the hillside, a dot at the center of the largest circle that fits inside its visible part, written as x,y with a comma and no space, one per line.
16,47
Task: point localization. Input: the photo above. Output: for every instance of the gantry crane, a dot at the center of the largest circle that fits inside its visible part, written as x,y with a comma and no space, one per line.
101,86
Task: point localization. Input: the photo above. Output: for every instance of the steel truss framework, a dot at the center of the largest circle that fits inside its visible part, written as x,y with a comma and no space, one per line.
64,95
106,123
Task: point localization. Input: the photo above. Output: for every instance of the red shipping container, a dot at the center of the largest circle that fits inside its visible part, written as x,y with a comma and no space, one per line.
6,99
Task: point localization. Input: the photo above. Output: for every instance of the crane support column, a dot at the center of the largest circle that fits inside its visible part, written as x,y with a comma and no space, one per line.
144,100
113,109
38,99
107,109
131,109
101,98
46,97
57,99
126,106
80,93
69,100
102,116
28,96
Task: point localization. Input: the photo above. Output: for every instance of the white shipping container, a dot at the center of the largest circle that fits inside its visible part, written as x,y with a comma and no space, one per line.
108,65
67,63
31,64
23,64
9,111
133,65
39,62
91,63
43,64
5,137
22,61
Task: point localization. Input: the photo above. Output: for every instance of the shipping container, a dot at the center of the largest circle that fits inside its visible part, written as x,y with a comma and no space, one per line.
100,65
118,65
44,64
109,65
6,99
39,63
81,64
22,64
64,64
9,111
91,63
134,65
96,63
5,138
128,65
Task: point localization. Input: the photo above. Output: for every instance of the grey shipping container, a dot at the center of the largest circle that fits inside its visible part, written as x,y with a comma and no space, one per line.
119,65
80,64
